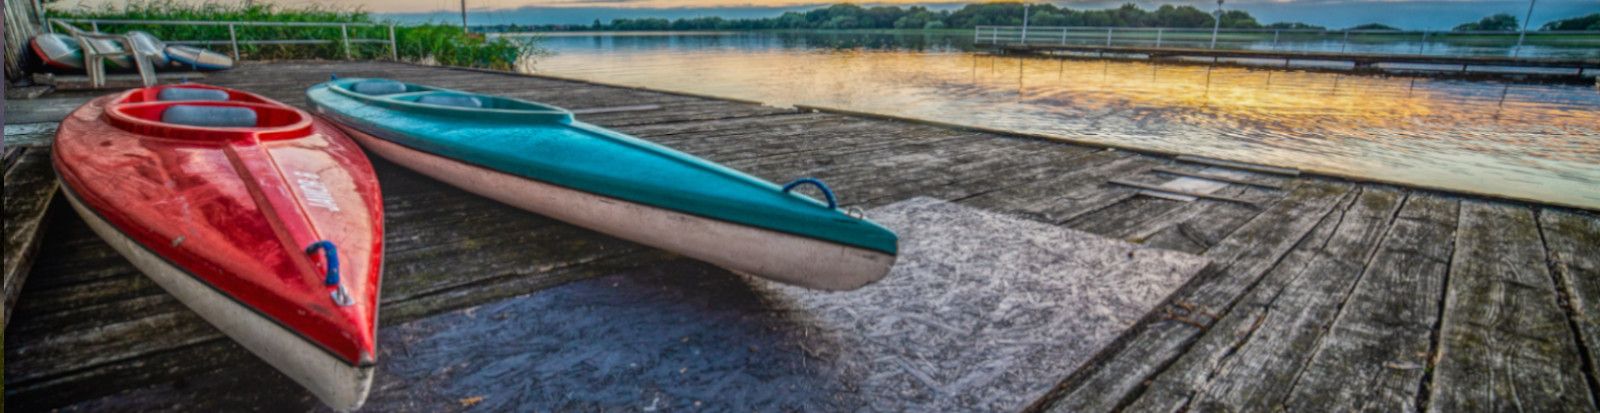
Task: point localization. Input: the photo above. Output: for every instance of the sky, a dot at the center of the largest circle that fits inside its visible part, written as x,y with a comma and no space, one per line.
1408,14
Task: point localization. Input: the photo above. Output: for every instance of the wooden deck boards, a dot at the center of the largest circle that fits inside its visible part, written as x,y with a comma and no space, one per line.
1330,294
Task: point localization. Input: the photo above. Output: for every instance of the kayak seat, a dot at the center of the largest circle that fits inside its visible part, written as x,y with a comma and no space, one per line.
180,93
378,87
451,100
216,116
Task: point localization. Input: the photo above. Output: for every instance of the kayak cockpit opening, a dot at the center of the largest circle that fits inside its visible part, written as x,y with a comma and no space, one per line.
189,92
184,93
217,116
463,100
412,97
381,87
209,120
443,99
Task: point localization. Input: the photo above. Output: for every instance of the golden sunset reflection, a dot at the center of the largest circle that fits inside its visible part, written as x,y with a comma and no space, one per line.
1519,140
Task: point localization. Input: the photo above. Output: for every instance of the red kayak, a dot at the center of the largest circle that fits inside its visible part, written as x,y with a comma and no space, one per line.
264,220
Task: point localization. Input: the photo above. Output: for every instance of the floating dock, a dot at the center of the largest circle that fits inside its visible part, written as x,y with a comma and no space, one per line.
1321,293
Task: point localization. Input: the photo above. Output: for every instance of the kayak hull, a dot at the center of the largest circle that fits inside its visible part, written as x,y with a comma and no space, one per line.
264,220
338,384
58,51
783,257
197,58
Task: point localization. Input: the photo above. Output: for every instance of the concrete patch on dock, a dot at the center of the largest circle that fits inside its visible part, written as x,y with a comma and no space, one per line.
984,312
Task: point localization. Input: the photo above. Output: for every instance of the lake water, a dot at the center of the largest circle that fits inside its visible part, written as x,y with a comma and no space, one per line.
1528,141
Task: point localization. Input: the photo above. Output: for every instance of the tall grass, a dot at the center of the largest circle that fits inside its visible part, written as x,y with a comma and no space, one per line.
430,43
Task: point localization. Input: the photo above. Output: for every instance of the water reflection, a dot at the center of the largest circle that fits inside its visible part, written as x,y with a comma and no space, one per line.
1519,140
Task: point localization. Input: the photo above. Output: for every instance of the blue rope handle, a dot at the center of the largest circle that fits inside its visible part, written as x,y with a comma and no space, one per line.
832,202
332,256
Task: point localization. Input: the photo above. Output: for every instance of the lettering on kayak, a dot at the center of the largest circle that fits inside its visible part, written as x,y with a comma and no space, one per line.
316,194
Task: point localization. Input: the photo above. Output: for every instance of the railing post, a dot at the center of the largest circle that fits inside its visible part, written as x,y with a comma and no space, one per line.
94,26
1158,36
1108,36
1274,40
394,48
344,34
233,39
994,35
1346,42
1025,23
1063,36
977,34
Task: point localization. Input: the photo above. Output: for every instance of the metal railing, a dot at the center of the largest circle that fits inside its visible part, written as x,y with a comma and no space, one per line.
1433,43
234,42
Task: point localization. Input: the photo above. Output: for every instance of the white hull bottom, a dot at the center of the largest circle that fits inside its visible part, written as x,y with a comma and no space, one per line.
764,253
337,383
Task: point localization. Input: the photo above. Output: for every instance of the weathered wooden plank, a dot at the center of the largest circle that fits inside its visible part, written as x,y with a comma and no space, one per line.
1247,361
1239,165
1069,193
1196,226
1219,177
1573,241
1374,356
30,134
1238,263
1149,187
30,185
1504,341
1020,165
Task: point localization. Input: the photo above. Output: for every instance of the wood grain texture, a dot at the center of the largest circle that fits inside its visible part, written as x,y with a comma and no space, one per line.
1572,239
30,185
1248,360
1376,352
1504,340
1238,262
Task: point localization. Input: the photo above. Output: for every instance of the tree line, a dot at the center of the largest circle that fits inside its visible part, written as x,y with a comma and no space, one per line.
852,16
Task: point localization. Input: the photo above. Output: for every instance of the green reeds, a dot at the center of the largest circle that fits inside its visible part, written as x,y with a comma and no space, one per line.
429,43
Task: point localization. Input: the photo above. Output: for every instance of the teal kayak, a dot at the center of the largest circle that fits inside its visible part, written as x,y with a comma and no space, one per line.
540,158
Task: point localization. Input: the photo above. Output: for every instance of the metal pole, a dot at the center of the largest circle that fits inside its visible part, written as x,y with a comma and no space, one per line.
344,33
1274,39
1024,23
1217,25
1108,36
394,49
233,39
1158,36
1524,32
1063,36
94,26
1346,41
464,17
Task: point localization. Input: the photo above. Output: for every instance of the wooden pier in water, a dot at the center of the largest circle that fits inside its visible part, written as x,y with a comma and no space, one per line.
1575,70
1322,293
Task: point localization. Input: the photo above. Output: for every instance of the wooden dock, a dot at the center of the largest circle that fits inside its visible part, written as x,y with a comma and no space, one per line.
1323,294
1576,70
